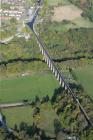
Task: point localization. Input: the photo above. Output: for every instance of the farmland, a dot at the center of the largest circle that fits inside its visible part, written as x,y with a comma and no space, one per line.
85,77
14,90
56,2
74,18
13,116
60,14
26,116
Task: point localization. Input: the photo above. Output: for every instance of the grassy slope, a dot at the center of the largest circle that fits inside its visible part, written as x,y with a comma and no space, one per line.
85,76
83,22
56,2
15,90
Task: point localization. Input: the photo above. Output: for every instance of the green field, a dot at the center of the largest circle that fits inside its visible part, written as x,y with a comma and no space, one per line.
15,90
13,117
26,115
85,76
56,2
83,22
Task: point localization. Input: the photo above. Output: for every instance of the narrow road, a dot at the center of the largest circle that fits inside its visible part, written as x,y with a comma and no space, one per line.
11,105
5,41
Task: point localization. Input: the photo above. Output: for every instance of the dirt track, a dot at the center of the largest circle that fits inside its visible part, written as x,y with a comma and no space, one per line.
10,105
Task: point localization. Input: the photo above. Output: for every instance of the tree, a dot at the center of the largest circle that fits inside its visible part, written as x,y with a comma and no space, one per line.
16,127
37,100
45,99
57,126
23,126
31,130
13,20
36,111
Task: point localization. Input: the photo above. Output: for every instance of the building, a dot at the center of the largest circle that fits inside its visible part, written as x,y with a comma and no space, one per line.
8,14
13,1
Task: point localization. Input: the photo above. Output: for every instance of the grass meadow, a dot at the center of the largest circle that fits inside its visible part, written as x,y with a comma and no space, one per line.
26,113
18,115
85,77
56,2
18,89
